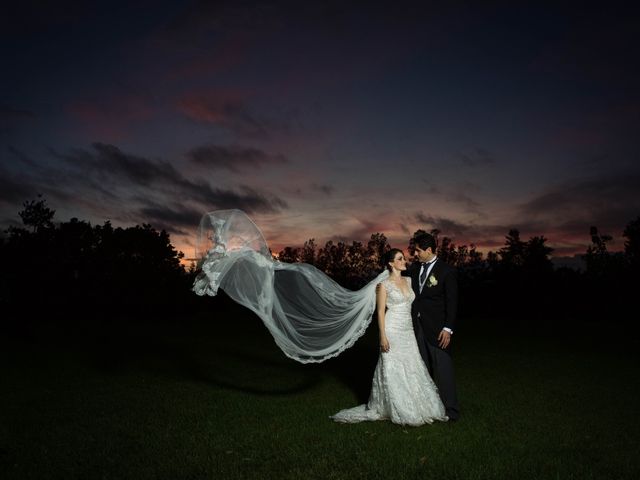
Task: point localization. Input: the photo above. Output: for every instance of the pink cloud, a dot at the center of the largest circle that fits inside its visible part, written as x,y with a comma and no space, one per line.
227,109
110,117
211,106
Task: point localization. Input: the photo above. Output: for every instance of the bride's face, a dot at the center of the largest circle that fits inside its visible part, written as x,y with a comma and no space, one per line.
399,263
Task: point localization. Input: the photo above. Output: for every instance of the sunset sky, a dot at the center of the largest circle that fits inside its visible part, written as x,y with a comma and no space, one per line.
326,120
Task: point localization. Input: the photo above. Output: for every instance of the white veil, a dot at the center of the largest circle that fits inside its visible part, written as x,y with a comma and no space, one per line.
311,317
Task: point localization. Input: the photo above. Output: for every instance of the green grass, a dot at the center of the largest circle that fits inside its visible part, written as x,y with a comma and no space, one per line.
190,400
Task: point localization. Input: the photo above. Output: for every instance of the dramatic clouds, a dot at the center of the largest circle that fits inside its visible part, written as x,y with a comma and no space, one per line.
112,114
325,189
178,219
458,195
483,234
325,119
109,164
448,227
227,109
113,184
234,158
608,202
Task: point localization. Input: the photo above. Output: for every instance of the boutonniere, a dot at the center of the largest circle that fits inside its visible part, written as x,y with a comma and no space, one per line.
432,281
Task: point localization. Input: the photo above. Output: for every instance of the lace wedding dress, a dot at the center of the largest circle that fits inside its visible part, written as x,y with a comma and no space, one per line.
402,389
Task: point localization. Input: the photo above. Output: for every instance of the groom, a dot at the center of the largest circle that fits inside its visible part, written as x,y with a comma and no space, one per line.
434,315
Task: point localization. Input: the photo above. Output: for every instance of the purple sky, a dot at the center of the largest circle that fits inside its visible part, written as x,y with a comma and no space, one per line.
324,120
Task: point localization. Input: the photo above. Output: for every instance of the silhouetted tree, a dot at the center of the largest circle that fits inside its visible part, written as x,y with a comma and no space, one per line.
377,246
334,258
72,266
446,251
193,269
289,255
359,264
351,265
474,257
632,242
308,252
536,260
37,215
518,280
512,254
597,257
493,259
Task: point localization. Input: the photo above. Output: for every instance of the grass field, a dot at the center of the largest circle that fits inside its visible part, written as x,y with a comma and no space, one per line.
210,396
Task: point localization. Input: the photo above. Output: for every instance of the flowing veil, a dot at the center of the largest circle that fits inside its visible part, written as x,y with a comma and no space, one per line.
311,317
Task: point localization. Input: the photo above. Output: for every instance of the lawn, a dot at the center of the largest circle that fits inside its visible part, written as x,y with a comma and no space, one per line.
208,395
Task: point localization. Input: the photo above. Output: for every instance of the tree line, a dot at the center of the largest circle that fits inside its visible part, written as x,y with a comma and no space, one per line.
517,280
99,269
78,266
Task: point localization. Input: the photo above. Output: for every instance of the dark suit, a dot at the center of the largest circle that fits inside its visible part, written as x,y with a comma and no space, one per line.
432,310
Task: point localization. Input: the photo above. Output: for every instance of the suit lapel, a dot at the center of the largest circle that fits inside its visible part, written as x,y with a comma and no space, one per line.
415,283
435,272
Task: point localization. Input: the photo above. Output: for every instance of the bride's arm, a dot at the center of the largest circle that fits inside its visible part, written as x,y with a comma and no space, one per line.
381,304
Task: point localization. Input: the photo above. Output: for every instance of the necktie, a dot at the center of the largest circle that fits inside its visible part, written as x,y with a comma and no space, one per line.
423,274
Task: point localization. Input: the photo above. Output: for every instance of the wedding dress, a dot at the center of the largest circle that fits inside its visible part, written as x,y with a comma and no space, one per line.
402,389
312,318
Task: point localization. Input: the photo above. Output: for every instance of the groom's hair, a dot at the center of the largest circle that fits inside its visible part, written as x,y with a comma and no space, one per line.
425,240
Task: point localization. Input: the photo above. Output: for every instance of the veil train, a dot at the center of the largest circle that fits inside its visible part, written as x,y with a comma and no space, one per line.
311,317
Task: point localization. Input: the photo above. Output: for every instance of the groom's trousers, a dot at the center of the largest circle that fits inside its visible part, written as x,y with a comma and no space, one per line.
440,365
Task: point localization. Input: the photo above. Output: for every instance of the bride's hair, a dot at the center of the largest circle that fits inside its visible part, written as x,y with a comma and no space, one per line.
388,258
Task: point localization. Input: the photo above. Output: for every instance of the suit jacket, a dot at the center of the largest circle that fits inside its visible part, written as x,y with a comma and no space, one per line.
437,306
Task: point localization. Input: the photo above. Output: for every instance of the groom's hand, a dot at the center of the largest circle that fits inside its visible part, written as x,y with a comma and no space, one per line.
444,338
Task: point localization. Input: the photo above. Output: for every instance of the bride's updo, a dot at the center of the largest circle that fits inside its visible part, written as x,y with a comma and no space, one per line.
388,258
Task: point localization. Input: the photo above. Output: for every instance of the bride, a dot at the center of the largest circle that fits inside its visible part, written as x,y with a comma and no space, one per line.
312,318
402,389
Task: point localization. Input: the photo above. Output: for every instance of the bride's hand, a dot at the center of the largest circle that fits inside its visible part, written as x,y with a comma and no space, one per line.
384,344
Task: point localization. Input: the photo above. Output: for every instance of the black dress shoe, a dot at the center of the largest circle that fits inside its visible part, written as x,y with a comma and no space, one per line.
453,417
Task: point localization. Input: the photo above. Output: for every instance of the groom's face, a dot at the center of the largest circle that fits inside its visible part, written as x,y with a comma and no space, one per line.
424,255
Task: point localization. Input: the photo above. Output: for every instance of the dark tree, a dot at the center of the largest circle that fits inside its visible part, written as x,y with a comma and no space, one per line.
289,255
536,257
377,246
518,281
597,257
333,256
351,265
512,254
475,257
75,270
37,215
308,252
446,251
632,242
